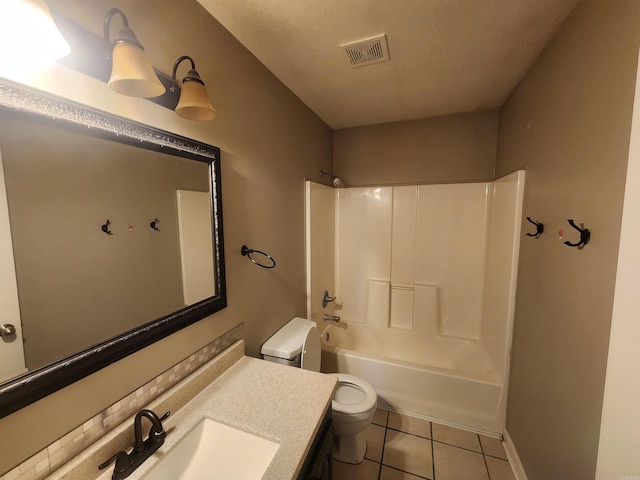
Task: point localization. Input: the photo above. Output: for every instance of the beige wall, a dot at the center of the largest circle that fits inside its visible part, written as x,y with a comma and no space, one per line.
453,148
568,123
269,140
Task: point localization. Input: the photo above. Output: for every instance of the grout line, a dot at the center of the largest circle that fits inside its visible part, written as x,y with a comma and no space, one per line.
409,433
461,448
433,453
384,440
404,471
497,458
484,458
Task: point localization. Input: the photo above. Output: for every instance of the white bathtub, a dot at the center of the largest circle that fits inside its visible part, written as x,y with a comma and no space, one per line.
462,391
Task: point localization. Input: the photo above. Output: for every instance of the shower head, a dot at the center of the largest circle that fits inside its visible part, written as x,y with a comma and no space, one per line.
336,181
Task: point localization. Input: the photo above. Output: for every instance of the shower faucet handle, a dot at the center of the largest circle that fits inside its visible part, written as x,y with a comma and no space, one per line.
326,299
7,330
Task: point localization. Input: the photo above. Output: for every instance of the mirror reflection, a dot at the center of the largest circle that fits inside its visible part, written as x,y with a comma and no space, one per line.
106,237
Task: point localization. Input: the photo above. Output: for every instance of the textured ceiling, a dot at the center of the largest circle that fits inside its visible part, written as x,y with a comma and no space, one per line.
447,56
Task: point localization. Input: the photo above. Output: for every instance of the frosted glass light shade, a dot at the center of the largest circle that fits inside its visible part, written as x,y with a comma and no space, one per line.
132,73
194,102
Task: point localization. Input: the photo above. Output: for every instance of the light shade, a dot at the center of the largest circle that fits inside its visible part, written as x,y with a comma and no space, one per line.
29,34
194,102
131,71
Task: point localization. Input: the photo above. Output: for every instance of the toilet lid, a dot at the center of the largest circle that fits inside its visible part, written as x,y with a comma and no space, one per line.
311,351
354,395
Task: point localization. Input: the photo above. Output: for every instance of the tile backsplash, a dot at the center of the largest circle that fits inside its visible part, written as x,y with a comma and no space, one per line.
62,450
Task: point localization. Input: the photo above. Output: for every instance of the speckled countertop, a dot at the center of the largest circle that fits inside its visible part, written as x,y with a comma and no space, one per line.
274,401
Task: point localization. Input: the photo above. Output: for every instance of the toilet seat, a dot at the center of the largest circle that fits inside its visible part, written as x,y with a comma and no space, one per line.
360,399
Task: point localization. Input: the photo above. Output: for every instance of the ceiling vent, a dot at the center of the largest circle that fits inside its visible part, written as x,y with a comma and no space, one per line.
367,51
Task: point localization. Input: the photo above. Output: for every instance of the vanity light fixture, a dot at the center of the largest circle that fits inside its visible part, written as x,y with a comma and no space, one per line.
131,72
194,103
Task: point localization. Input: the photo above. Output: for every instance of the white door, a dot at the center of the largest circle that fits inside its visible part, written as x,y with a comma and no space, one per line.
196,245
620,423
11,349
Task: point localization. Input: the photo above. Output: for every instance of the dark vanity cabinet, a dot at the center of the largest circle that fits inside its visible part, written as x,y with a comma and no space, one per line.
319,463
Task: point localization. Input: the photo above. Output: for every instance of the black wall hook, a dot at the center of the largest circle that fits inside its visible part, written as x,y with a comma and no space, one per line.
585,235
105,228
539,228
154,225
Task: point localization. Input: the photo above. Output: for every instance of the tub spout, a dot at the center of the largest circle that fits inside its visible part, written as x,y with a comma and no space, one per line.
331,318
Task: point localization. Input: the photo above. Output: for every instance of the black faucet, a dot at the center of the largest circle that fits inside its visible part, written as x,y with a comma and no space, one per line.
126,463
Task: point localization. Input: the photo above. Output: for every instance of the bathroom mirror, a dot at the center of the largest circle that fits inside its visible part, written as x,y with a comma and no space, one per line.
116,230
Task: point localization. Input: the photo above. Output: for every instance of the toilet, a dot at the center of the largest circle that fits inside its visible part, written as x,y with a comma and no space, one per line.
297,344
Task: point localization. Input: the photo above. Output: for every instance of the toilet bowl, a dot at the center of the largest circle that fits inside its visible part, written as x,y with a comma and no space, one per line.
353,406
354,402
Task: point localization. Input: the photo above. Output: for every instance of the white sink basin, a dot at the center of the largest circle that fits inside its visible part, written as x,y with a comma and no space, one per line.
214,450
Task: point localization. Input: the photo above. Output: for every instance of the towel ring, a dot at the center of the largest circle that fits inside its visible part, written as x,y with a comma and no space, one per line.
246,252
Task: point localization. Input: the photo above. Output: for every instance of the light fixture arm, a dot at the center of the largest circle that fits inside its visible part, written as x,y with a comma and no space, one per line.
191,75
125,35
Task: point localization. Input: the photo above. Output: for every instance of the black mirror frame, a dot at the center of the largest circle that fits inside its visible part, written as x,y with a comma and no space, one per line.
35,105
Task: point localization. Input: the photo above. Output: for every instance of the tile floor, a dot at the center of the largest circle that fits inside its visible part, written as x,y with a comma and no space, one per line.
400,447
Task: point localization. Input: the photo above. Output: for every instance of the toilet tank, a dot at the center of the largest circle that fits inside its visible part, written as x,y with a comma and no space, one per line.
296,344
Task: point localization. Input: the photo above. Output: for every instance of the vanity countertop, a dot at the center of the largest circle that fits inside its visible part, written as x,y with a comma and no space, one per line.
278,402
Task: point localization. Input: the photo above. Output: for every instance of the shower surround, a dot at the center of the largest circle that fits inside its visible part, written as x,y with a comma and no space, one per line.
425,283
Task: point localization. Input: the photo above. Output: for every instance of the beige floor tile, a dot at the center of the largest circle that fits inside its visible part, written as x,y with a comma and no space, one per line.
499,469
492,446
453,463
407,424
457,437
408,453
375,440
388,473
367,470
380,417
